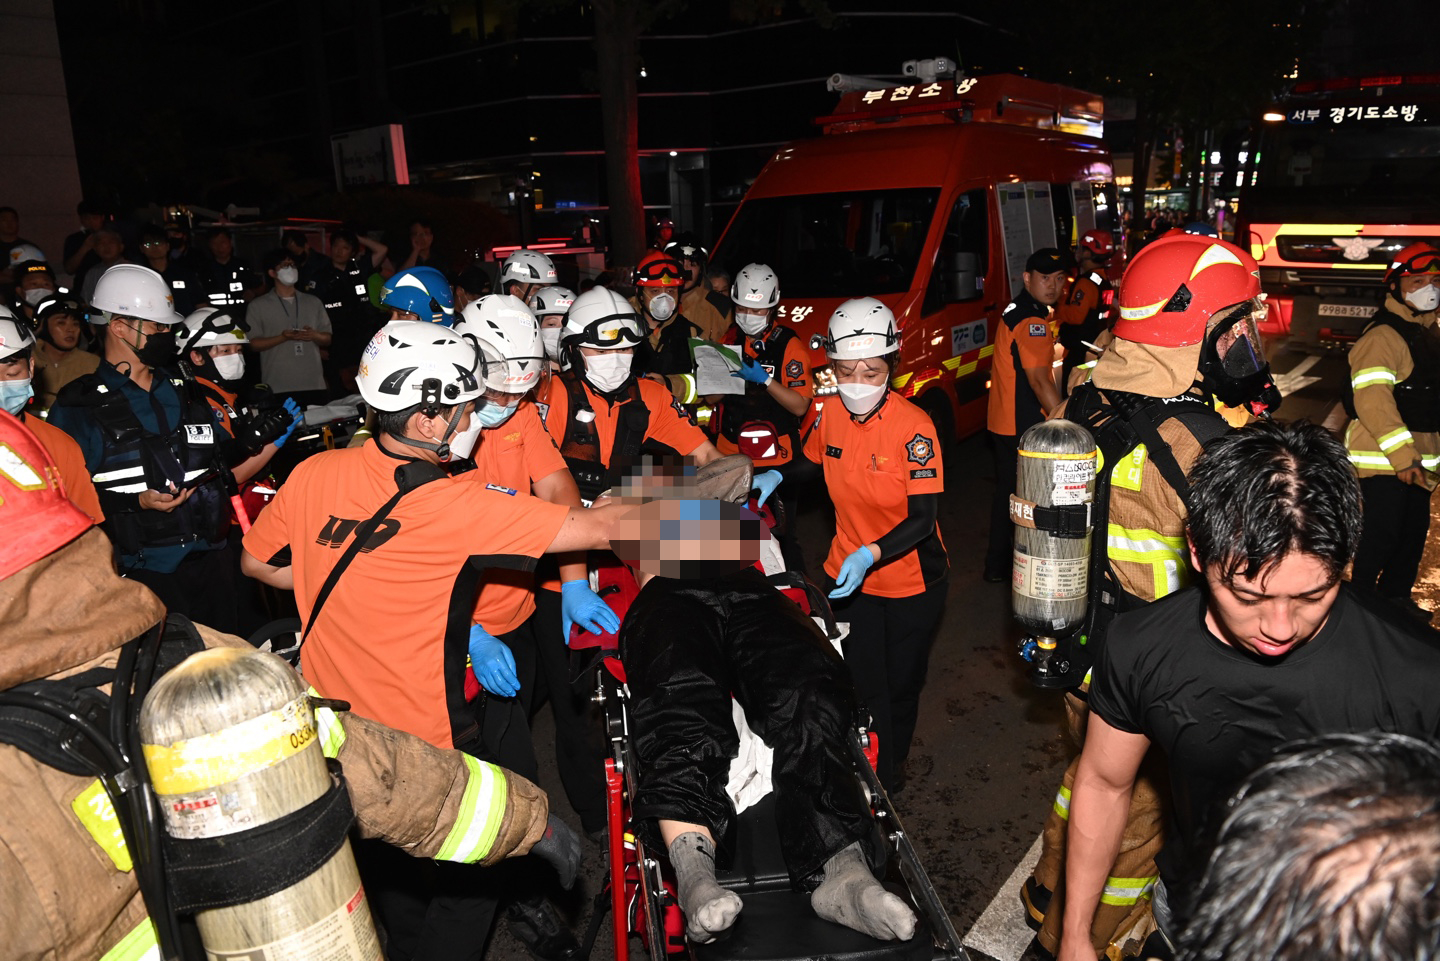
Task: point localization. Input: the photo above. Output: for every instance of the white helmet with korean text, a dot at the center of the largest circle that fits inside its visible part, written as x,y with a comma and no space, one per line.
861,328
755,287
129,290
527,267
602,319
411,362
505,328
553,301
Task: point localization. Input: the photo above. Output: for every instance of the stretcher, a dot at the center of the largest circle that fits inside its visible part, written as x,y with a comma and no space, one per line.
777,923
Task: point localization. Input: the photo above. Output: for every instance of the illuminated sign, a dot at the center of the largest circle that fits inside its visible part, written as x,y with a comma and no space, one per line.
1408,112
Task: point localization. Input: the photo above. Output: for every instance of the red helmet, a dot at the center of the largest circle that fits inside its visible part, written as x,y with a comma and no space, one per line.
1100,243
1418,258
659,269
1174,285
37,517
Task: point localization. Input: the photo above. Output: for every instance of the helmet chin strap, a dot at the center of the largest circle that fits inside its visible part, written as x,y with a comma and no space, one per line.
442,449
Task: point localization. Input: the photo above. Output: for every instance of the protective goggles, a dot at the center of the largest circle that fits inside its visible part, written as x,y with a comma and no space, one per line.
660,273
1425,262
611,331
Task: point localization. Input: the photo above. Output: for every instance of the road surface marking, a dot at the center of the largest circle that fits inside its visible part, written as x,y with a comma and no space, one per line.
1001,931
1296,378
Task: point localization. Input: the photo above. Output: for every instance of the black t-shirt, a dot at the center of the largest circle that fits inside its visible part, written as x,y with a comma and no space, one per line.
1219,712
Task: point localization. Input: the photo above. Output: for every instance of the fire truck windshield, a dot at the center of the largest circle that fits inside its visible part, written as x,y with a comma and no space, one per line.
833,245
1369,155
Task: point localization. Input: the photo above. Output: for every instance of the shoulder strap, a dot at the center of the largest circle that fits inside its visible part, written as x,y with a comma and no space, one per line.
408,477
1139,414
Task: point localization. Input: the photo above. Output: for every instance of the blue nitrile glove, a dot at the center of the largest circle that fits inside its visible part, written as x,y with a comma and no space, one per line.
492,662
751,372
852,572
580,605
766,483
297,417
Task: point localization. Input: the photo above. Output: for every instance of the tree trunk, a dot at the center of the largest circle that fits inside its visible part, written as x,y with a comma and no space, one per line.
617,41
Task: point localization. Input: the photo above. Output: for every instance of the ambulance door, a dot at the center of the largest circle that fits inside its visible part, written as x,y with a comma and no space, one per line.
961,304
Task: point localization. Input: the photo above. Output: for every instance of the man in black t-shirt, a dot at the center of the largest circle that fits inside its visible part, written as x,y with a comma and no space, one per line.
1272,648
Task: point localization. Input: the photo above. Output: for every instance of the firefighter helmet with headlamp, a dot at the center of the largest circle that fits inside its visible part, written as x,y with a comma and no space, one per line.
1175,285
410,362
861,328
505,329
422,291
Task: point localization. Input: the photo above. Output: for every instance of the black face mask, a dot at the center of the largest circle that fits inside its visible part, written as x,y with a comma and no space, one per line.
158,349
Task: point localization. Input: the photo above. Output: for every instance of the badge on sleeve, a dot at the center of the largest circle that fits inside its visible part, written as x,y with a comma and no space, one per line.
1039,330
794,369
920,450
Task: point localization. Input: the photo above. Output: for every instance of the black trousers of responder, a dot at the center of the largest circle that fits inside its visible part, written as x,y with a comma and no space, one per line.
580,747
1392,537
687,647
203,587
999,553
888,652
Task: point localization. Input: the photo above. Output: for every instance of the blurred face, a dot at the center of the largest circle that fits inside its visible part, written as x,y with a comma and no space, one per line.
221,247
64,330
1045,288
720,285
421,237
341,251
156,249
108,246
1280,610
91,221
397,314
870,371
9,225
36,280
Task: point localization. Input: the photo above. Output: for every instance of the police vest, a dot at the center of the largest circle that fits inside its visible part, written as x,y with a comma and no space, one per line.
580,445
1120,422
252,423
1417,397
134,460
737,410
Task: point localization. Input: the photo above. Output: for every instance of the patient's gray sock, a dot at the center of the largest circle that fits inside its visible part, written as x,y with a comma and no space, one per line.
709,908
851,896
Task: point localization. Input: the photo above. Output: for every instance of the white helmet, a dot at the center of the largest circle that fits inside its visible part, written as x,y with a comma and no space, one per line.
860,328
212,327
23,252
553,300
15,334
756,286
603,319
413,362
505,328
527,267
129,290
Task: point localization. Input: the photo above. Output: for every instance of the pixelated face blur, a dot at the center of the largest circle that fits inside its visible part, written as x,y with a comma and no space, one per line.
872,371
1045,288
687,538
64,330
1277,611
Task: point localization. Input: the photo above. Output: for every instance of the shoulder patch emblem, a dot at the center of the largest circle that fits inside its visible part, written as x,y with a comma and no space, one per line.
1039,330
920,450
795,369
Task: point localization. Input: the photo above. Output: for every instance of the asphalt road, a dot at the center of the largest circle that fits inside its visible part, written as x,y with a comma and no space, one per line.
989,750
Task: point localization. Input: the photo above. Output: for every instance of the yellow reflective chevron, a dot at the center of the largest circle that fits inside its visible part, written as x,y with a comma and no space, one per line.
1062,802
481,810
1127,891
1129,470
1375,460
1371,376
139,945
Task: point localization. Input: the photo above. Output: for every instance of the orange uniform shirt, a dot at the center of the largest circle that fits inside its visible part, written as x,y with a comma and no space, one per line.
1025,337
394,634
70,461
669,424
512,456
793,372
870,471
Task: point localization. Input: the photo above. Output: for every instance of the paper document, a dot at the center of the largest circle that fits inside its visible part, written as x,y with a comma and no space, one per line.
713,366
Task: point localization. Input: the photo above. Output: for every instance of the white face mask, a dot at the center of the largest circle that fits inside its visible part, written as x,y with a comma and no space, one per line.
550,337
861,398
34,295
1425,299
287,276
608,371
751,324
662,307
230,366
462,445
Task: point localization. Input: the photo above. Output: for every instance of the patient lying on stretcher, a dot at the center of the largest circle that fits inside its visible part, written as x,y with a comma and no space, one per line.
707,625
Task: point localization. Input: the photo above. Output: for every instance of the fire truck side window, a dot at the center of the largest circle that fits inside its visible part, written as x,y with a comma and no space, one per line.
963,256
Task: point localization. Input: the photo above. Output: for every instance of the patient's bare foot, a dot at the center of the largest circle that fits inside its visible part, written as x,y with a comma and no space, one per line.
709,909
851,896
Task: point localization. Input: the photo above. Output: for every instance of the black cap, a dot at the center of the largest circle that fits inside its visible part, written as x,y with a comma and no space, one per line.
1047,260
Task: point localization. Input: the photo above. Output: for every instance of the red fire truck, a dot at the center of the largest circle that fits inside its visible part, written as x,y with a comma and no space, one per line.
1348,173
928,196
